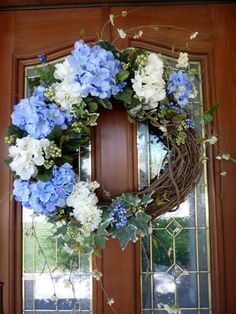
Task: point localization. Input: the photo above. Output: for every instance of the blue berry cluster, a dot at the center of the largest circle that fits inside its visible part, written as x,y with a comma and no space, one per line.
42,58
118,216
189,123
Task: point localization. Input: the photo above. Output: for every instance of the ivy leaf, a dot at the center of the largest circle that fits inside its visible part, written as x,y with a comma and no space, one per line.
105,103
44,174
101,234
146,199
122,76
124,235
14,130
56,134
125,96
141,222
93,106
108,46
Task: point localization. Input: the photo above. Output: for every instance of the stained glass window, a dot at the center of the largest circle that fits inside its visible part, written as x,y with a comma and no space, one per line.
50,282
175,259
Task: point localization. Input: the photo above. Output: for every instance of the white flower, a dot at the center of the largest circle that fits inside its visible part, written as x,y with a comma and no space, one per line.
218,157
111,18
124,13
193,35
63,70
182,60
138,35
27,154
110,301
193,92
223,173
212,140
163,128
121,32
226,156
84,200
68,94
148,82
96,274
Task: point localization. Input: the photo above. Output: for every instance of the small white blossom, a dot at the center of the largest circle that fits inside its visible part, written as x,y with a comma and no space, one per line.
193,35
124,13
212,140
121,32
138,35
27,154
97,274
218,157
226,156
223,173
182,60
111,18
110,301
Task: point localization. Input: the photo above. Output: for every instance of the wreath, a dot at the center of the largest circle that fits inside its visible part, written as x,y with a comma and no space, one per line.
48,127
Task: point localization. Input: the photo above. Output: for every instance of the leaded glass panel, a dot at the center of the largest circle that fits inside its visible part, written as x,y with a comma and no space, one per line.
62,289
175,259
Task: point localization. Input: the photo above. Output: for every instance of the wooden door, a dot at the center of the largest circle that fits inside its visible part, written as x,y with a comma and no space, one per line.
25,34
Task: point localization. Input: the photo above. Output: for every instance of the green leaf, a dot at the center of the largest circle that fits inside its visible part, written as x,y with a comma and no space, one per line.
101,234
125,96
44,175
92,118
214,108
207,118
93,106
146,199
105,103
124,235
133,111
141,222
122,76
108,46
56,134
14,130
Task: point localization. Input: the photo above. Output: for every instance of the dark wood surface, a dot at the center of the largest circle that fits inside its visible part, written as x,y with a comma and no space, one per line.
25,34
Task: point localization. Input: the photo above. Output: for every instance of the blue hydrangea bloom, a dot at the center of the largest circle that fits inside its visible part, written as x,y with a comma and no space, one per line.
118,216
180,86
45,197
21,191
95,69
38,117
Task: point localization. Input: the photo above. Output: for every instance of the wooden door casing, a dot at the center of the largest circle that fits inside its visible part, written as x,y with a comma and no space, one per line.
25,34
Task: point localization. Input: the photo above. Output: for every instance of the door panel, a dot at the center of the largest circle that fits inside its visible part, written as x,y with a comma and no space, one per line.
25,34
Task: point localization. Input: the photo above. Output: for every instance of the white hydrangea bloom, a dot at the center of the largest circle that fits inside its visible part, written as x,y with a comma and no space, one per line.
67,94
63,70
148,82
84,201
183,60
27,154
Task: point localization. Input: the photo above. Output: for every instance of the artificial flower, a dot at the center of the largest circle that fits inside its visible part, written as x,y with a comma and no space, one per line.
182,61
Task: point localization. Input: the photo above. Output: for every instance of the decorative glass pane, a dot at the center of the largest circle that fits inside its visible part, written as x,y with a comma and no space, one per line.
49,283
175,259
